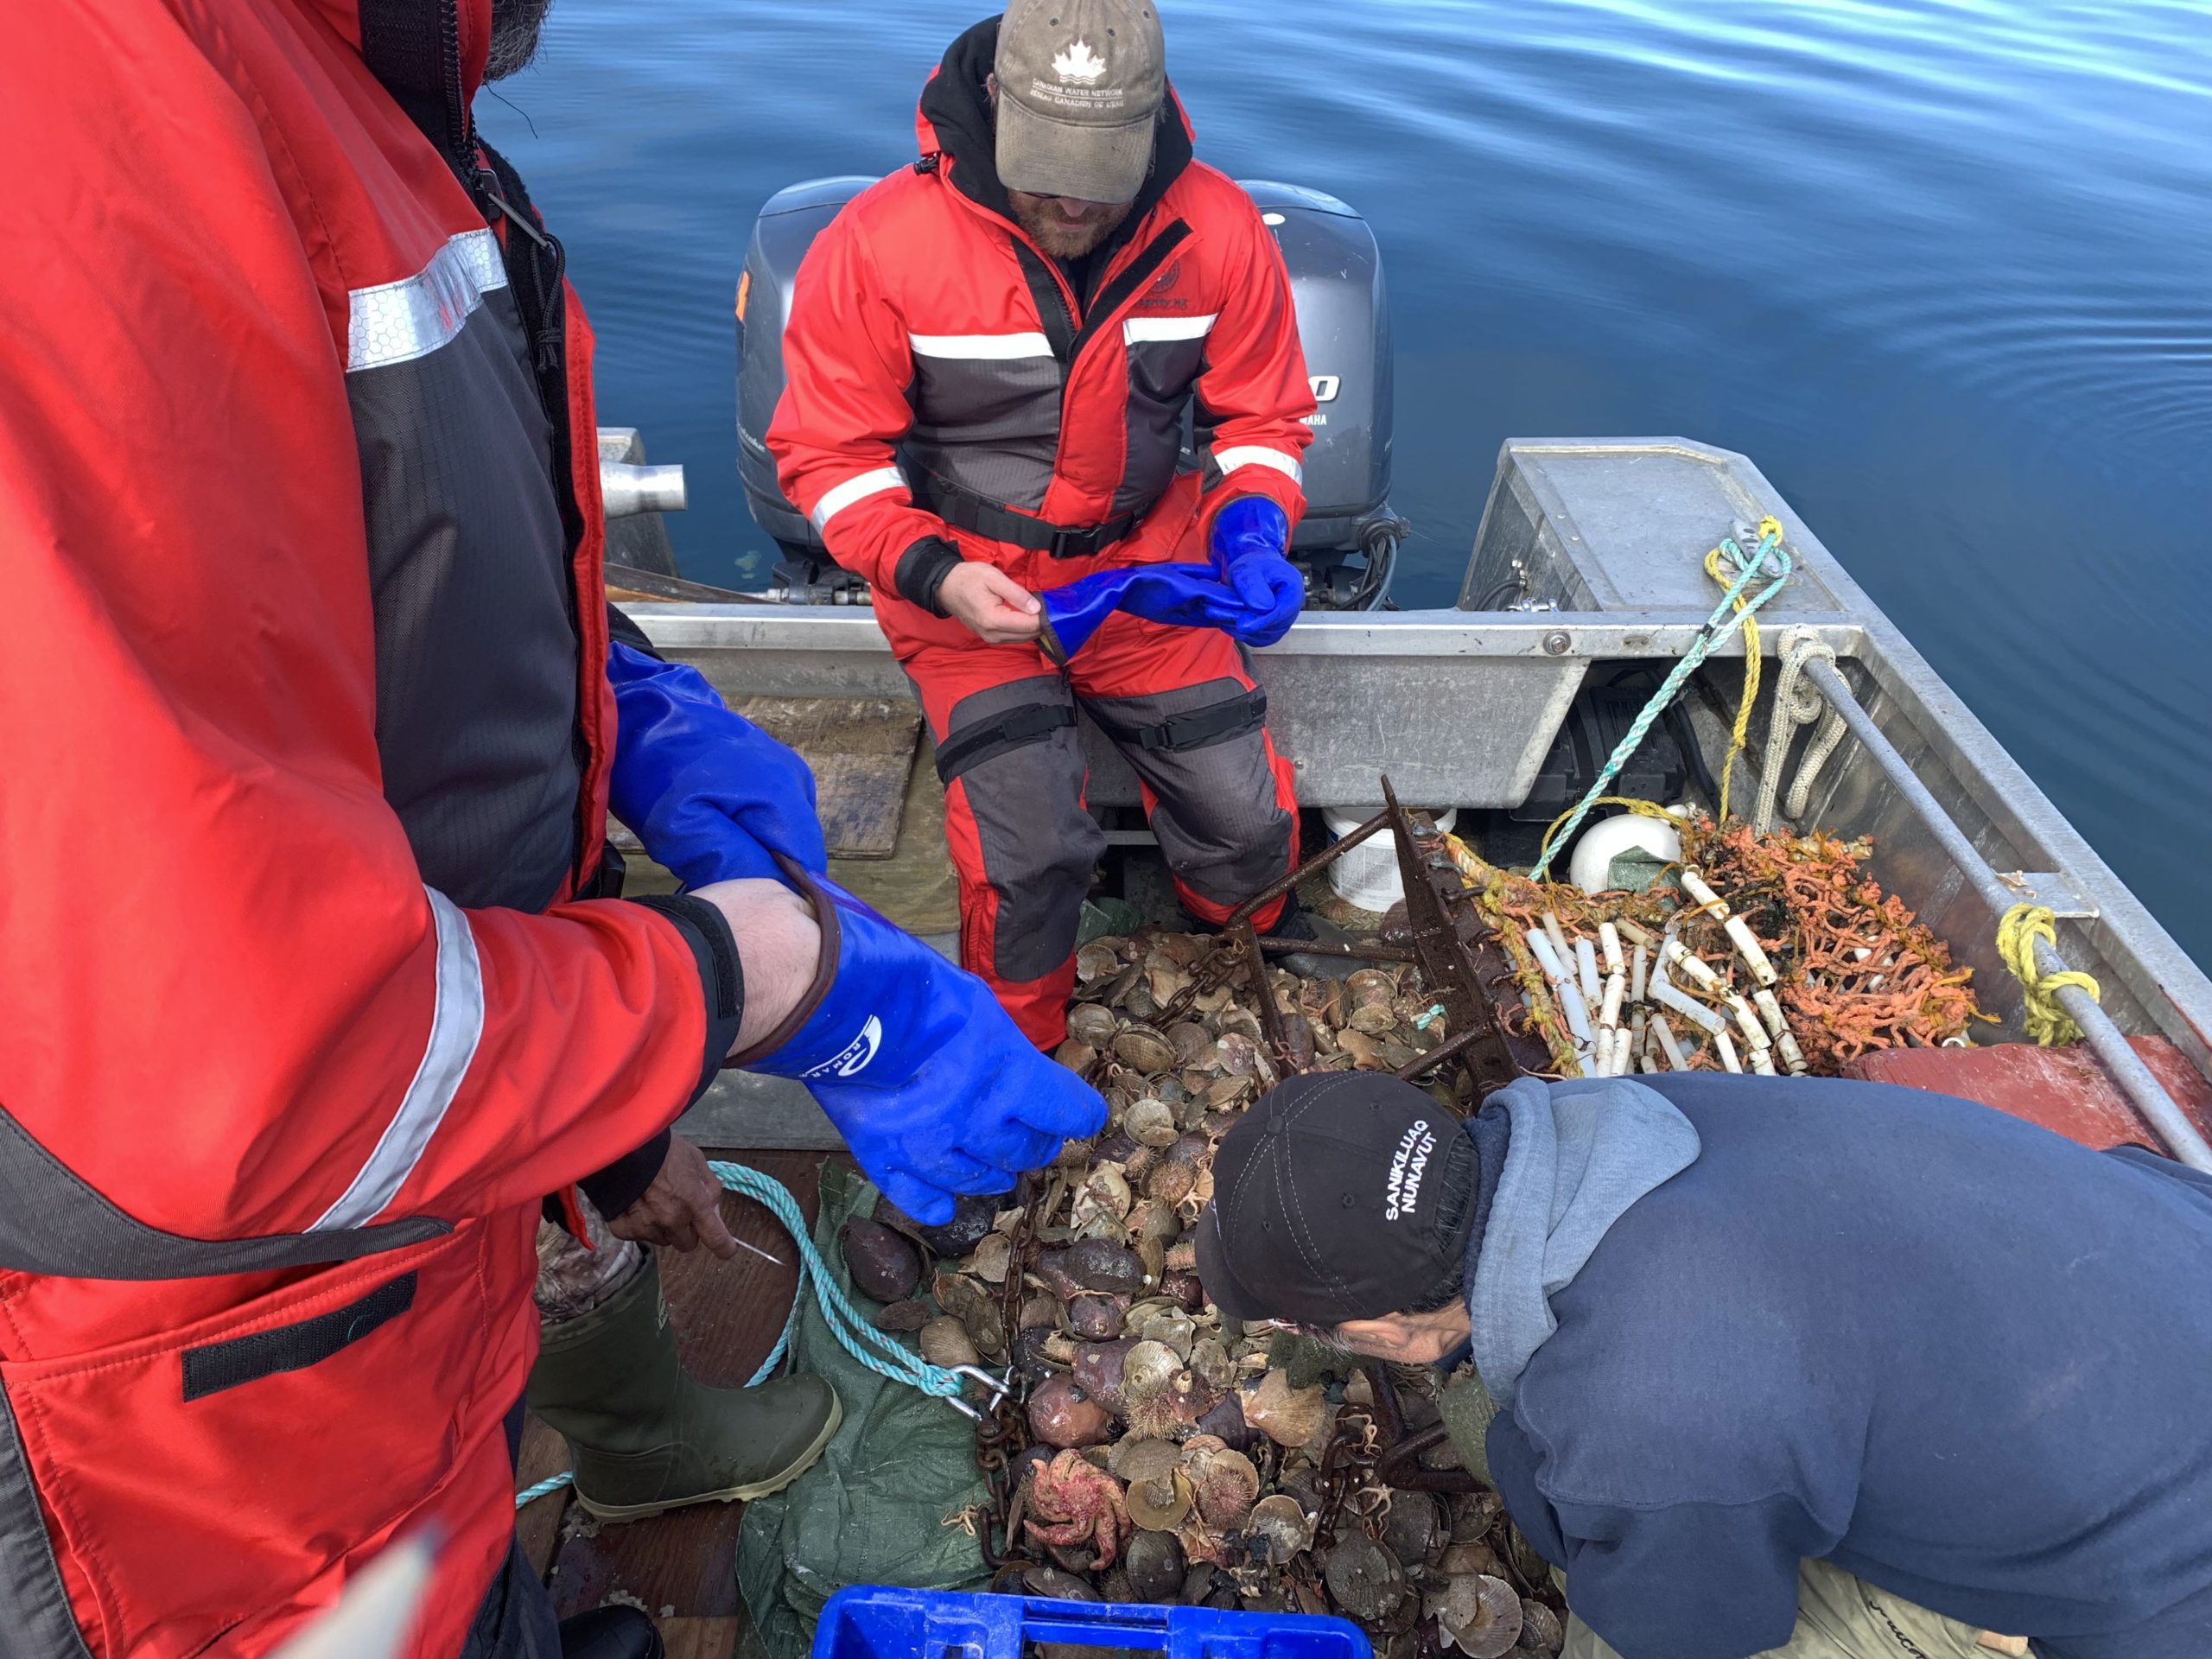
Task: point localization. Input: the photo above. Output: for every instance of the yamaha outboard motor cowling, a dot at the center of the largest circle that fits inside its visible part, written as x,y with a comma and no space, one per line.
1349,537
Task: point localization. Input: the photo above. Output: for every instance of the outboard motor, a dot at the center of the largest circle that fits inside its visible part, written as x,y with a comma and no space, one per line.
1347,541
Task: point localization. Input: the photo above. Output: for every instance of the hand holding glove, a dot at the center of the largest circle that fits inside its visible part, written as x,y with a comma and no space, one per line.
931,1084
711,795
1248,588
1188,596
1249,546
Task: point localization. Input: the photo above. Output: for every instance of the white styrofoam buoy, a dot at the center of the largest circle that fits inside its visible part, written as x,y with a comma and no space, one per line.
1367,876
1590,869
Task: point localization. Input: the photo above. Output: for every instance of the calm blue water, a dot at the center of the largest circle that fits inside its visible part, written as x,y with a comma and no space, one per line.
1943,269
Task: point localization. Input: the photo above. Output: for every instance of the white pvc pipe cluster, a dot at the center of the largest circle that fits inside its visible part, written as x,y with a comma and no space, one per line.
1628,1033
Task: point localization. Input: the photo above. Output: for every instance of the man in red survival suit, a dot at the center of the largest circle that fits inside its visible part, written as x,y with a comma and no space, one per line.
989,358
308,664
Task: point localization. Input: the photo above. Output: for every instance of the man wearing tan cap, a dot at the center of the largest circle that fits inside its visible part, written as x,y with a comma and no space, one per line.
991,356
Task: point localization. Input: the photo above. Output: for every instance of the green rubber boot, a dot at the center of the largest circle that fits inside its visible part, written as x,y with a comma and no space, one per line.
645,1436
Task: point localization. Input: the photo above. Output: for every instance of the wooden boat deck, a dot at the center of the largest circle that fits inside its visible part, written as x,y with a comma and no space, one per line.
681,1568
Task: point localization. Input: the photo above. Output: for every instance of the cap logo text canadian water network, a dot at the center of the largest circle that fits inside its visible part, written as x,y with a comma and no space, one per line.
1406,1168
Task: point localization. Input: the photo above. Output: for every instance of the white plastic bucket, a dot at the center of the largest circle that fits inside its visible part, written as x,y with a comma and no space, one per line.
1367,876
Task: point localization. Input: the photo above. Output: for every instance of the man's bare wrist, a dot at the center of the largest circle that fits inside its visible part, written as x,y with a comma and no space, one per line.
780,945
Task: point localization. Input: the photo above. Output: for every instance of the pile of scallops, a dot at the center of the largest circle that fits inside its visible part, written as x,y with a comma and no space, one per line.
1169,1459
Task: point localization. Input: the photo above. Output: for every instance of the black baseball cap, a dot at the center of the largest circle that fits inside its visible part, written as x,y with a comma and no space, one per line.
1339,1195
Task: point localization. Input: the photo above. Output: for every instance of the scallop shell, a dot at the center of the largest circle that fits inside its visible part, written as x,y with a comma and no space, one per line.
1287,1417
945,1342
1193,1042
1376,1018
1155,1566
1145,1049
1150,1218
1150,1123
910,1315
1089,1023
1366,1051
1172,1331
1540,1628
1280,1527
1105,1191
1239,1022
1077,1055
1228,1093
1364,1578
1364,987
1472,1557
1096,960
1160,1504
1414,1528
1135,1458
1480,1616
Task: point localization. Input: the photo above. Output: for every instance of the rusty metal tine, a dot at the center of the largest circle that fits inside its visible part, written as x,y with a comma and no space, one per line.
1270,1016
1320,860
1442,1053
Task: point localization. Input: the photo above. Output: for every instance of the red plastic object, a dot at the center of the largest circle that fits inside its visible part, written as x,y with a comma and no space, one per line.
2066,1089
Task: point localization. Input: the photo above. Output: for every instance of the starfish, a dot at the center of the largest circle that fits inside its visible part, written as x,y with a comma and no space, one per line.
1079,1503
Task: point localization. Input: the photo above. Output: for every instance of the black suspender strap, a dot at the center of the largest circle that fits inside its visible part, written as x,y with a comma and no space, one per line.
1219,722
965,510
973,745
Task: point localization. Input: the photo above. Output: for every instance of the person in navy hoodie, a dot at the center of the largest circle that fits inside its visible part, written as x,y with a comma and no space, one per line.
1824,1368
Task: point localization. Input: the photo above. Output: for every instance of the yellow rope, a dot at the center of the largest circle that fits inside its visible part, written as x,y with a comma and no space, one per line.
2046,1022
1642,809
1768,526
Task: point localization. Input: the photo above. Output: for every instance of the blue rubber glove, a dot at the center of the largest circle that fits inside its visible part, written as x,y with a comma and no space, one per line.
1189,595
711,795
933,1087
1250,538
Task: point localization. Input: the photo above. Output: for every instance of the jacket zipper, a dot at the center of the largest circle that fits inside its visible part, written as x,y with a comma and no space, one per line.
484,190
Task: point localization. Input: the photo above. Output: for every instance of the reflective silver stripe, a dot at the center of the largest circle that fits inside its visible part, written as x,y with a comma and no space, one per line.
989,348
456,1027
835,501
1136,330
397,322
1252,455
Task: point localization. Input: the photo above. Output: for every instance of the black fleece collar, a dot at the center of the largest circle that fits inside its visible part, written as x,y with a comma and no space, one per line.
958,111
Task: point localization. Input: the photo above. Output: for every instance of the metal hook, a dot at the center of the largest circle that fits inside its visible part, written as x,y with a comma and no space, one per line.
999,1388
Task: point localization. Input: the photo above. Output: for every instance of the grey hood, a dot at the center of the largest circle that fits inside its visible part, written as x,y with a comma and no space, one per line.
1580,1155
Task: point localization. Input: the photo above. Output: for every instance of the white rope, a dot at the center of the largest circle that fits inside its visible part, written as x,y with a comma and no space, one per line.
1797,701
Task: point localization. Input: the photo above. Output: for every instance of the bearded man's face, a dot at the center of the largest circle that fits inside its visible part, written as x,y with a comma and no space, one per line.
1062,226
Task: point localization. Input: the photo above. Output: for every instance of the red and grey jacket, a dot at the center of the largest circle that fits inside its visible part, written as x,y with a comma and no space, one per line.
303,1002
942,371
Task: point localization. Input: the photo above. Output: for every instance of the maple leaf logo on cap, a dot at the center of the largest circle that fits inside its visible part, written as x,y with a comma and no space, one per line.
1079,63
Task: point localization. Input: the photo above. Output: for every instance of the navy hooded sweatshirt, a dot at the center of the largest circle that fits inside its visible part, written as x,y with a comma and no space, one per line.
1953,1353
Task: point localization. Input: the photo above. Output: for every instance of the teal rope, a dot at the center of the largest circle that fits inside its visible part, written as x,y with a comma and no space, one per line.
1725,620
854,1334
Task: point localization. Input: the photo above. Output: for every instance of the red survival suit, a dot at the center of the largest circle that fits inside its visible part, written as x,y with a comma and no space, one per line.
301,671
946,382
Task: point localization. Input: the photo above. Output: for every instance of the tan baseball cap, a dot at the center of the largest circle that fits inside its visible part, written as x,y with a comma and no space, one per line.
1080,86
